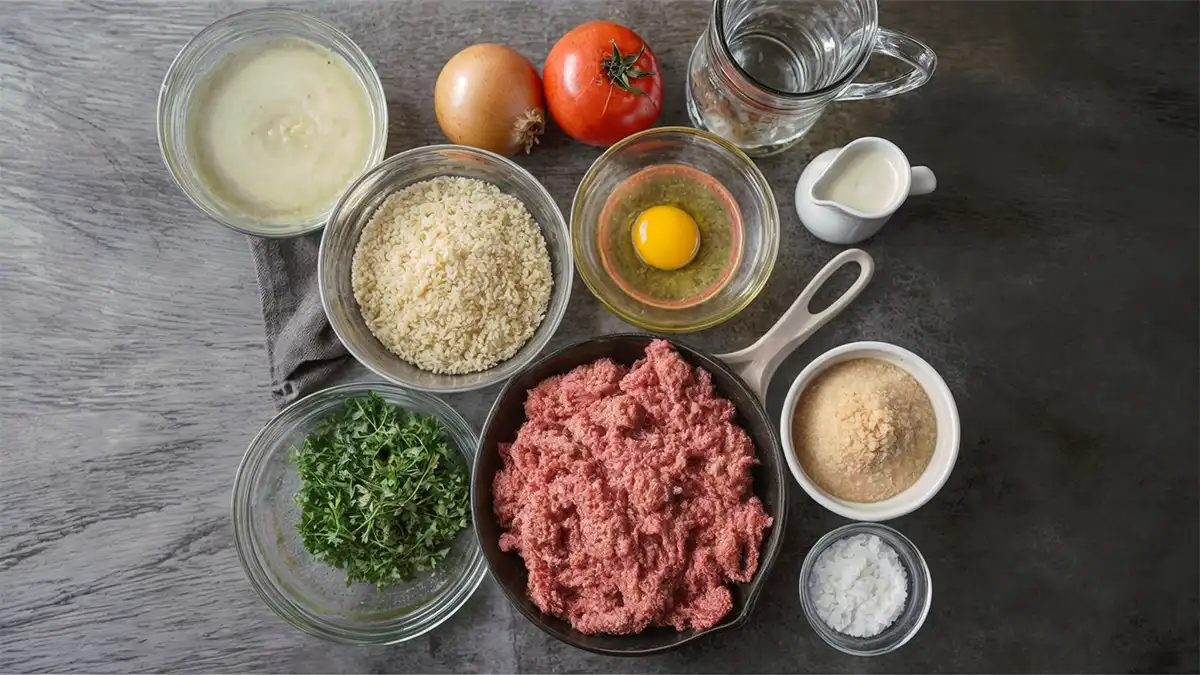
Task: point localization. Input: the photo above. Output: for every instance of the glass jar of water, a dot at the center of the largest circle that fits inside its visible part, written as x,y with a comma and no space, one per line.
764,70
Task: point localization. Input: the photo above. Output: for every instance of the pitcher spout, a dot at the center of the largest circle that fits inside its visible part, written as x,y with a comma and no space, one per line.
868,178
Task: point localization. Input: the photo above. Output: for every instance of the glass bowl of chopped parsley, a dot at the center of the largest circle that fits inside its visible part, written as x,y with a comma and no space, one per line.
351,513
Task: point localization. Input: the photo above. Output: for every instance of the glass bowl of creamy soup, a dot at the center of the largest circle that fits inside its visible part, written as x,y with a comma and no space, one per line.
266,116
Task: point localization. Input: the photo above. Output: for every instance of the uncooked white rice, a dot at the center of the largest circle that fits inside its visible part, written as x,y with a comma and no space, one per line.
452,275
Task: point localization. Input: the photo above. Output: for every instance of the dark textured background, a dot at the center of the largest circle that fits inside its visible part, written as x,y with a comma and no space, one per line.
1052,279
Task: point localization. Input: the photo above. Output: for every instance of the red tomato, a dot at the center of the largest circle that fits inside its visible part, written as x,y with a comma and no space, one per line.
602,83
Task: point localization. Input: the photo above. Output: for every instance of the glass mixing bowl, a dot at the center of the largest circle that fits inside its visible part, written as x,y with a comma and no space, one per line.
205,51
711,156
354,211
313,596
916,606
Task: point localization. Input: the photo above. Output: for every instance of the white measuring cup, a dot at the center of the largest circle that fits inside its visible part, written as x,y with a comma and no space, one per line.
757,363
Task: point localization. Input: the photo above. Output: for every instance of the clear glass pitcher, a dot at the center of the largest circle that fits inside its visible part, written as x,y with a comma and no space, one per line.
764,70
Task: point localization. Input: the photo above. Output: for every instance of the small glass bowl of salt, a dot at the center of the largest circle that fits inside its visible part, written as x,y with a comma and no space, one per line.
865,588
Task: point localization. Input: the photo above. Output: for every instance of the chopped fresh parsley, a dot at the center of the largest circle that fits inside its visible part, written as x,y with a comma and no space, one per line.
383,494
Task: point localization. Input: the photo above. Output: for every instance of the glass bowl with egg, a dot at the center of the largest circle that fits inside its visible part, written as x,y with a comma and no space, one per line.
674,229
266,116
870,431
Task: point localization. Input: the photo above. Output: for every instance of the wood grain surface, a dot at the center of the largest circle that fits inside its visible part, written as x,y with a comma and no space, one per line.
1051,279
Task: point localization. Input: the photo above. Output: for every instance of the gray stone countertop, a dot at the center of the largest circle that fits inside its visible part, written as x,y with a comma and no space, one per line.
1051,279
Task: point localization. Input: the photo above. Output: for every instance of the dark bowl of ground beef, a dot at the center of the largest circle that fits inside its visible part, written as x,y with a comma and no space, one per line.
709,610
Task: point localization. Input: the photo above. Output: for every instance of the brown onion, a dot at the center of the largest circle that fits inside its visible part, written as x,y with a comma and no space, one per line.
489,96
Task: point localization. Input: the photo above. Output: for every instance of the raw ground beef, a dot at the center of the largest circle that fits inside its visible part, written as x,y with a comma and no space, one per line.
627,493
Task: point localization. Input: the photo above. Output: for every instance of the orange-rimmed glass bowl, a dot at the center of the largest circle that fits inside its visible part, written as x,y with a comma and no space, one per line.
737,184
716,260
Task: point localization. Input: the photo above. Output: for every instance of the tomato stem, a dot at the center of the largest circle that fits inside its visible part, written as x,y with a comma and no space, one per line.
621,69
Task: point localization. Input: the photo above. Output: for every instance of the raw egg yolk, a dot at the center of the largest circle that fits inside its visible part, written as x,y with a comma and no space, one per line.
666,237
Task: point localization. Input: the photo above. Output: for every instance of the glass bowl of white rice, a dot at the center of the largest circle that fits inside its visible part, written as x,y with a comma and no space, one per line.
865,589
445,268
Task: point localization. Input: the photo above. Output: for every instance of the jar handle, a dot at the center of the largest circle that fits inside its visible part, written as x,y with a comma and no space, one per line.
901,47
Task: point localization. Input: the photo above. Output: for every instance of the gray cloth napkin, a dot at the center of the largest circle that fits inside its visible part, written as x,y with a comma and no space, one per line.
302,348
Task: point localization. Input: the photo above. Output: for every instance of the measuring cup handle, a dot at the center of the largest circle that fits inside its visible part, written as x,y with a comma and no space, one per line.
757,363
901,47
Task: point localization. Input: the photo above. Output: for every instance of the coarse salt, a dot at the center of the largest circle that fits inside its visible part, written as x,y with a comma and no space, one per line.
858,586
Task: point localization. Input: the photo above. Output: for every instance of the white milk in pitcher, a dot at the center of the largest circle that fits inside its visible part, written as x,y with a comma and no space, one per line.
846,194
862,179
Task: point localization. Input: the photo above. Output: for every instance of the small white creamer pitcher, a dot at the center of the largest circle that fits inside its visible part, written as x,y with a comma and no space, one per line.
845,195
